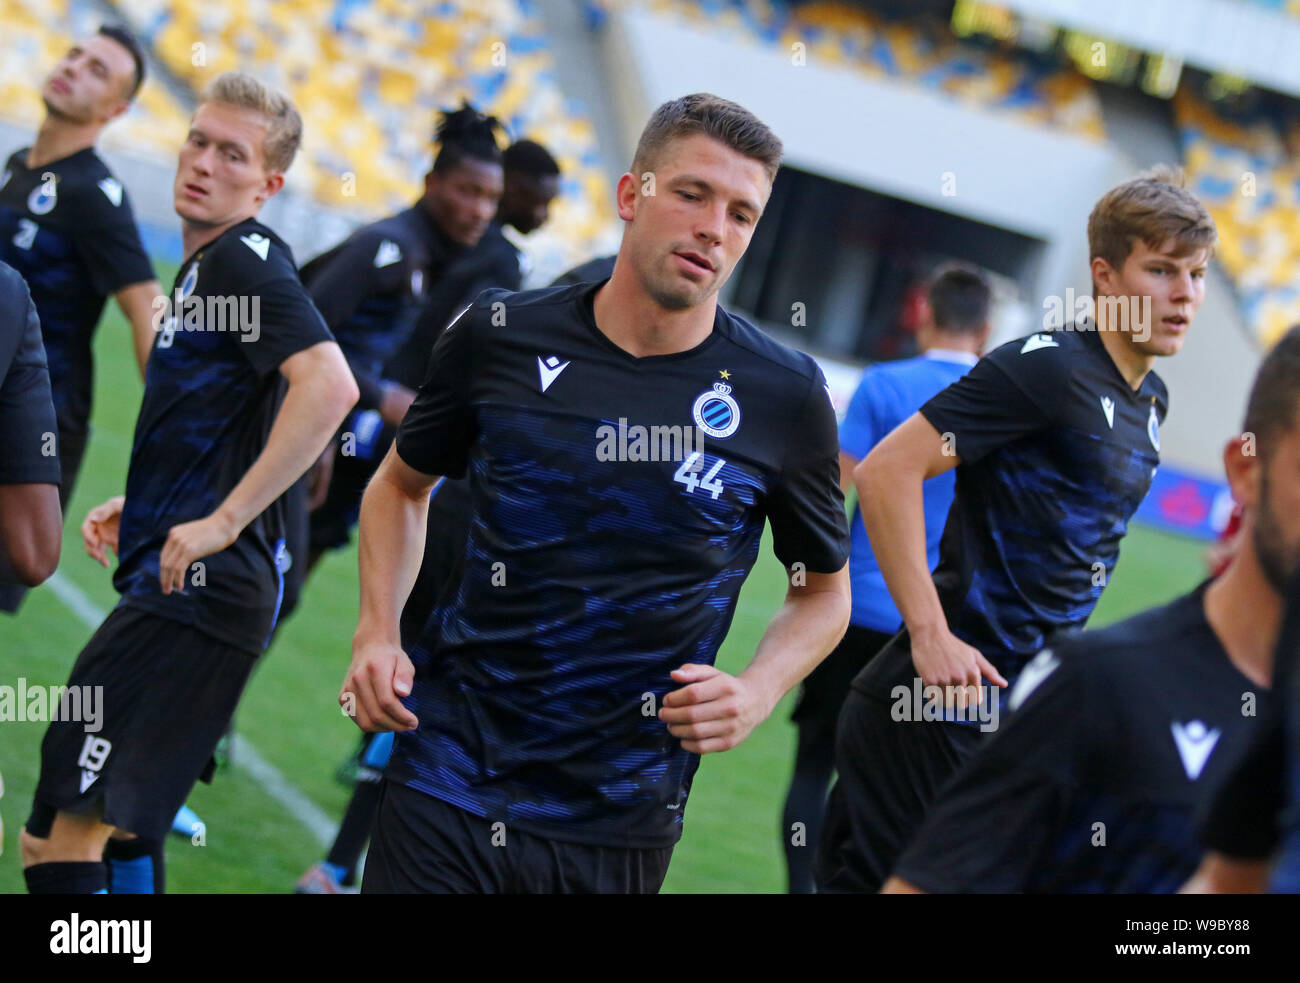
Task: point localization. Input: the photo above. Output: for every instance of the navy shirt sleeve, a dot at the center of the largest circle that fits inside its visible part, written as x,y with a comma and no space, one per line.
1010,393
807,507
988,832
109,242
285,319
26,407
364,264
438,430
1240,818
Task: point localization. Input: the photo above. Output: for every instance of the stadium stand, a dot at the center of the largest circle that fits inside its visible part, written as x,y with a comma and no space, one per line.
842,34
1245,172
368,77
36,34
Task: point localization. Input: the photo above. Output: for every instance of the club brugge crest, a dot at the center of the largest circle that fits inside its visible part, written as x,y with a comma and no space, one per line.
190,281
43,198
715,412
1153,428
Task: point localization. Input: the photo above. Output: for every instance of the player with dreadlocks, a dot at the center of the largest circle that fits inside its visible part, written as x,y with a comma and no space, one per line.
370,289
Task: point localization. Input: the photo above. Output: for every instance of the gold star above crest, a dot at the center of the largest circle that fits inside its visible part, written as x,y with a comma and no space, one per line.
724,373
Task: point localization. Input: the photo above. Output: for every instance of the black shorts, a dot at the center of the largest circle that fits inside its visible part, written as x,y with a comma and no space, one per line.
889,773
71,448
333,522
822,693
422,845
168,693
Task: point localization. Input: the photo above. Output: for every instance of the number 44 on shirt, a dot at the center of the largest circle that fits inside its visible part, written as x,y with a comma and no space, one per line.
686,474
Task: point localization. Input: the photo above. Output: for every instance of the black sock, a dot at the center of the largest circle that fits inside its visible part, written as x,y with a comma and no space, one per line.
135,866
355,829
80,877
806,803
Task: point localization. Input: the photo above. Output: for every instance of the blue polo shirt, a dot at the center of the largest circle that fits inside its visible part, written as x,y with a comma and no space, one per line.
887,395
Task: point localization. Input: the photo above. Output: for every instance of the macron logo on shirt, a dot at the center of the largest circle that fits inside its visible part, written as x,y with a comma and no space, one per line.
260,244
1195,745
1037,341
549,370
112,191
1108,407
387,254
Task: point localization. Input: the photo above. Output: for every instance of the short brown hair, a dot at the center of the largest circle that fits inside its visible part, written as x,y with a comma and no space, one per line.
1275,394
1155,207
721,119
283,124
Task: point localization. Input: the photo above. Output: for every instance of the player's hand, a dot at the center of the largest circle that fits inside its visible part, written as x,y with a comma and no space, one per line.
318,478
714,711
394,403
99,531
943,659
192,541
379,676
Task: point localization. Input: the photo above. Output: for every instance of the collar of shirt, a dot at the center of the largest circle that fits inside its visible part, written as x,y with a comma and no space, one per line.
441,248
952,355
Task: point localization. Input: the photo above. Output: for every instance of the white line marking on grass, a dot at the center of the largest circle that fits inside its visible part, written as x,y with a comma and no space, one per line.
244,755
75,599
272,780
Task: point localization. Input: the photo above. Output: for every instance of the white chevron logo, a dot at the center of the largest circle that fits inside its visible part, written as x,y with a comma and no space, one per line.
112,191
1195,745
257,242
1039,668
388,253
1108,407
549,370
1037,341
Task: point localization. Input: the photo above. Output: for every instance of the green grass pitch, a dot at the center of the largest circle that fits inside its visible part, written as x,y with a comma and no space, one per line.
290,714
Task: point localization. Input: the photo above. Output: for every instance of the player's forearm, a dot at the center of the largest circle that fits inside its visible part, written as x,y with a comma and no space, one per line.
890,494
805,629
1221,874
311,412
896,885
137,304
31,533
391,547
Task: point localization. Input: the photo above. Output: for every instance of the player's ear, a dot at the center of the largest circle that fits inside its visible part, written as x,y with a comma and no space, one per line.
117,110
274,182
1103,276
1241,465
628,189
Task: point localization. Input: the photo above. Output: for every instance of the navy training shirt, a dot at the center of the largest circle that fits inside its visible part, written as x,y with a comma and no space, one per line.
370,287
588,579
1093,785
210,399
67,227
26,410
1056,453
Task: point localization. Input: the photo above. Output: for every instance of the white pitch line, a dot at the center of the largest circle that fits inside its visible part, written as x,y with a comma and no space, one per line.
243,754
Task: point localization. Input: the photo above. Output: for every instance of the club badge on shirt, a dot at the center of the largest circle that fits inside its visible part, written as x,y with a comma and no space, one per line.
716,411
